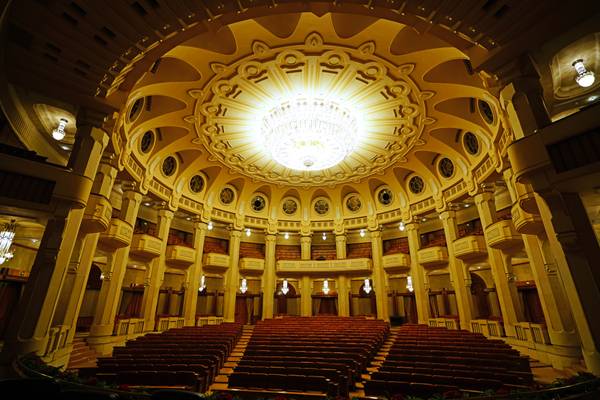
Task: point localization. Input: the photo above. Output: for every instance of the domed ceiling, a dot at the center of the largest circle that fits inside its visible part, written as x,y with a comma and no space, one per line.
425,121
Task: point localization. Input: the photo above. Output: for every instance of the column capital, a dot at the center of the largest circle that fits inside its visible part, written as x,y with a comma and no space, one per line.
235,233
166,213
199,225
483,197
270,238
305,238
340,237
447,214
131,187
375,234
411,226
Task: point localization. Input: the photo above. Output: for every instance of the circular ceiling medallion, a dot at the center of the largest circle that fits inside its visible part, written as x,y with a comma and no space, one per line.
169,166
471,143
353,203
416,184
227,195
245,114
321,206
147,141
196,183
446,167
258,203
385,196
290,206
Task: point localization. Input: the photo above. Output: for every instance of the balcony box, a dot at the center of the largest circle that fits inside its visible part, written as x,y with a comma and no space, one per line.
347,266
117,235
180,256
526,223
251,266
215,262
502,235
97,216
470,248
433,257
145,246
396,263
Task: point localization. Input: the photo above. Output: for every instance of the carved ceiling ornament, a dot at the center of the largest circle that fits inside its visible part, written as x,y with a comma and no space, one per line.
392,107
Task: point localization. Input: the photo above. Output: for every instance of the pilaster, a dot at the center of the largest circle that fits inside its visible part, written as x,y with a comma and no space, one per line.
305,242
233,276
269,276
379,275
420,286
190,297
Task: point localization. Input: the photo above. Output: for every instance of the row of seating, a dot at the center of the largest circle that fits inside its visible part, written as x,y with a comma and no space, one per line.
187,358
426,360
316,354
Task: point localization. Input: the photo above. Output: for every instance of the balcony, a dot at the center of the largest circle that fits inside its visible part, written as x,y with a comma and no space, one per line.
180,256
117,235
396,263
433,257
215,262
347,266
470,248
251,266
502,235
98,213
525,222
145,246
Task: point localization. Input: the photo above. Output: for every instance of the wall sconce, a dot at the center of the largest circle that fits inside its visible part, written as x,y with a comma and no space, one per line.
210,226
362,233
409,284
202,284
325,287
584,77
367,287
244,287
401,226
284,287
248,232
286,235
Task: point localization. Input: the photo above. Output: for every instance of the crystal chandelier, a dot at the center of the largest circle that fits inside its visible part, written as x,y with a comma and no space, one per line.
6,238
244,287
284,287
325,287
309,134
367,286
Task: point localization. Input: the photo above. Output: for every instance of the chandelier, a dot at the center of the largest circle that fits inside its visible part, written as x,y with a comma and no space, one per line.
309,134
284,287
584,77
244,287
367,286
7,234
202,284
409,284
325,287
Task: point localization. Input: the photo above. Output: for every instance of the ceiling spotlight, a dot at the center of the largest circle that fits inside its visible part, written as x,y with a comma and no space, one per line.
362,233
59,132
286,235
188,218
401,226
584,77
248,232
424,219
210,225
467,205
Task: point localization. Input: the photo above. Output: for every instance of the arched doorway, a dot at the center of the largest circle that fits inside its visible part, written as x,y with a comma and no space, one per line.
480,296
90,299
286,303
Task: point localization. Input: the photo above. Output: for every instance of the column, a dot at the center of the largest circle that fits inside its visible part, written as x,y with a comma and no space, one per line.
305,297
379,276
232,277
342,283
421,288
110,293
550,287
156,271
190,297
576,252
458,273
29,328
305,247
269,276
81,260
500,268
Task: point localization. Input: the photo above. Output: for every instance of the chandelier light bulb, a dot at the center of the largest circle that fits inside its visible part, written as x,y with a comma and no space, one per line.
59,132
584,77
7,234
248,232
401,226
362,233
309,134
409,284
210,226
244,286
324,236
286,235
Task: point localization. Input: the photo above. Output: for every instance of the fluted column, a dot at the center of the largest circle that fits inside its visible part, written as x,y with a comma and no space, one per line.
190,297
305,247
156,272
305,297
379,275
110,293
269,276
417,273
460,277
29,327
233,276
576,253
500,267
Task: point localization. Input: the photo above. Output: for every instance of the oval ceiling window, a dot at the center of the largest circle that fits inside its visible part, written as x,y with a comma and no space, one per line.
227,195
353,203
471,143
486,111
290,206
321,206
258,203
196,183
446,167
135,110
147,141
416,184
385,196
169,166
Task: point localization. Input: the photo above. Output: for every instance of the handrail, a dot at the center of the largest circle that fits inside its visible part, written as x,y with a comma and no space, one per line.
550,392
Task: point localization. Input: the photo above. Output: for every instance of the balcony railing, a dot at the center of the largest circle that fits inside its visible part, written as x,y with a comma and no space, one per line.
526,223
145,246
117,235
252,265
433,257
470,248
355,265
396,263
180,256
129,327
448,323
97,215
502,235
487,327
215,262
532,333
166,323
